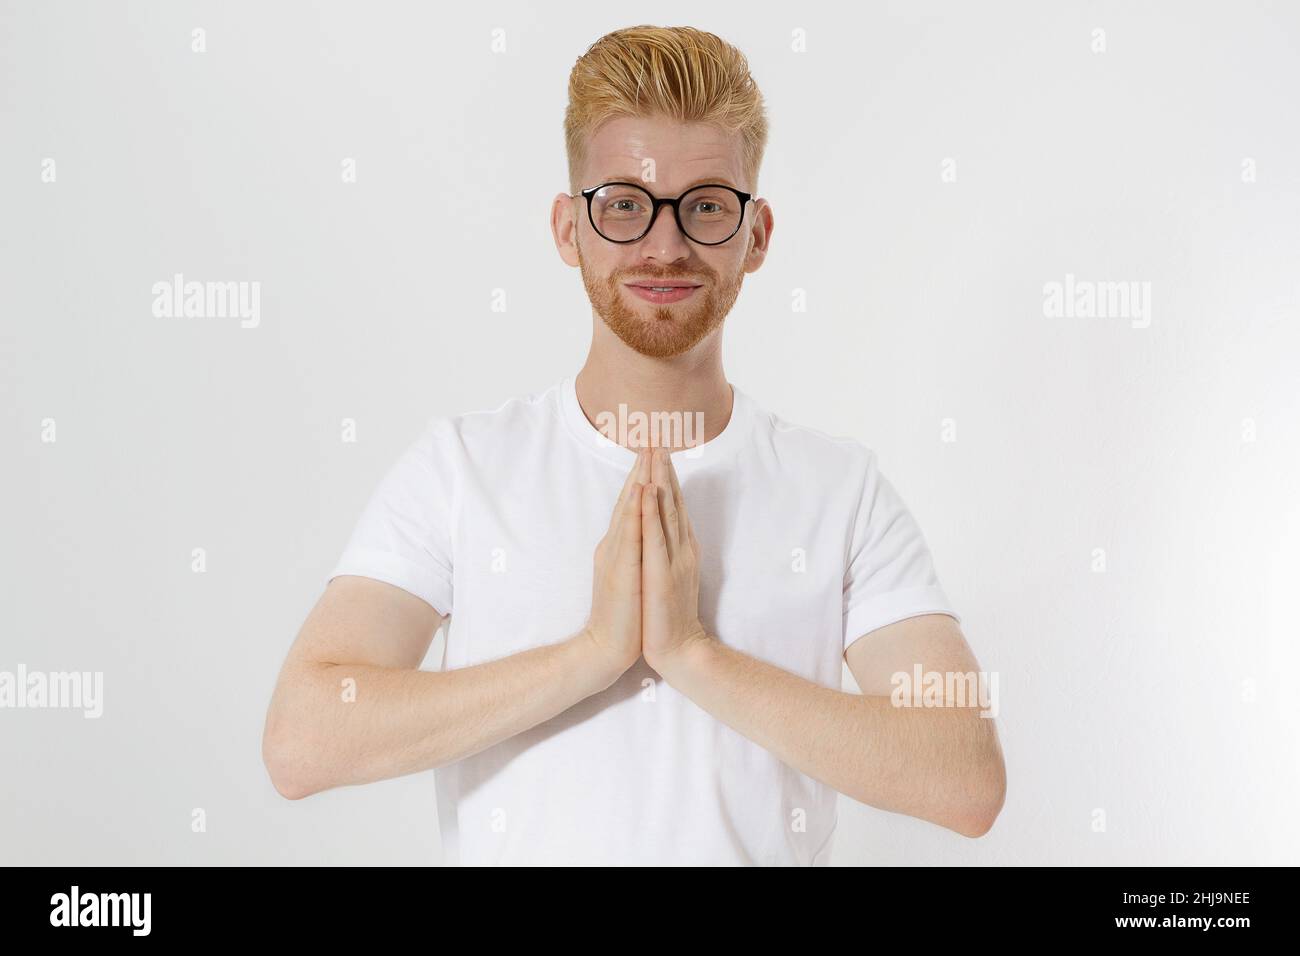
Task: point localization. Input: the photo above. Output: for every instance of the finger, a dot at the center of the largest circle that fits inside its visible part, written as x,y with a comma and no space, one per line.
629,533
627,491
639,475
654,549
683,519
668,511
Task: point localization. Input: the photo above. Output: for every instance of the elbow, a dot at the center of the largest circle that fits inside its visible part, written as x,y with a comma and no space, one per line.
283,762
975,825
981,810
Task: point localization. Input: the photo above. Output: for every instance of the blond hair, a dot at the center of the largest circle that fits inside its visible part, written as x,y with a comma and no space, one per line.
677,72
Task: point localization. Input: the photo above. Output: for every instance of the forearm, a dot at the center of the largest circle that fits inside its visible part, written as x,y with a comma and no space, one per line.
941,764
334,725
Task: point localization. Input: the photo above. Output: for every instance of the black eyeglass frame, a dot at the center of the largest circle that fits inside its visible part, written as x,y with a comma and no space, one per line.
744,198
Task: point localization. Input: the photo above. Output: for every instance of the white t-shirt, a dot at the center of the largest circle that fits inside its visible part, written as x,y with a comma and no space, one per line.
492,517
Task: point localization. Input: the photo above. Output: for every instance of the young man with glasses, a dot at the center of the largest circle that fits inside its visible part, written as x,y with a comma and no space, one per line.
675,698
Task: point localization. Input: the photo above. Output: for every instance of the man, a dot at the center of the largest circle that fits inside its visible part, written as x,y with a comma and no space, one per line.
674,699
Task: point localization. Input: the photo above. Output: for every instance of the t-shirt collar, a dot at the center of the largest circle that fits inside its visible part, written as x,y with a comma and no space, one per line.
722,445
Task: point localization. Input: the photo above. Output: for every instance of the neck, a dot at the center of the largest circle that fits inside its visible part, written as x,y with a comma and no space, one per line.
691,384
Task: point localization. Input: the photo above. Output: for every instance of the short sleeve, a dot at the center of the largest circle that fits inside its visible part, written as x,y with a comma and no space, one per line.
890,574
404,534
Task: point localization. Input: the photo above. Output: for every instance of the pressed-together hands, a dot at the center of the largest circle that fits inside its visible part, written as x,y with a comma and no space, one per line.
941,765
646,585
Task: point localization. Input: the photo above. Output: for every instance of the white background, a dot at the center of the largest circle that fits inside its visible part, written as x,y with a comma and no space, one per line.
1159,692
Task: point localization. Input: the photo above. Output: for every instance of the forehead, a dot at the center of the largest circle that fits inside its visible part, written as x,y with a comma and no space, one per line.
673,153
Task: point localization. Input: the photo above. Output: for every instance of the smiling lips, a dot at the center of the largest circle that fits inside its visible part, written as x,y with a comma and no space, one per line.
663,290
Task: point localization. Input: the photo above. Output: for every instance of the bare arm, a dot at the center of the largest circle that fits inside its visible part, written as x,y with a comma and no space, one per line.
941,764
350,706
937,763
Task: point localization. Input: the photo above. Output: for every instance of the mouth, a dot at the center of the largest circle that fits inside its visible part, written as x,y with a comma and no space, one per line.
663,292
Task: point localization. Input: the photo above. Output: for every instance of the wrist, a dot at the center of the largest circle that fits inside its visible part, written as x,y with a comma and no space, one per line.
599,664
685,657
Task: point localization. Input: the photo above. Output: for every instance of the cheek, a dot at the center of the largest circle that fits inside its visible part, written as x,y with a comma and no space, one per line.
596,263
722,266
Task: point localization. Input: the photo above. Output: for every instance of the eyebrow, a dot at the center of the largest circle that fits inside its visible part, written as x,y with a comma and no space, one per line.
710,180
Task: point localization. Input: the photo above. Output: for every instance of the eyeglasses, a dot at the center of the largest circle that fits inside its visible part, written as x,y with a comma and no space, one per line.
624,212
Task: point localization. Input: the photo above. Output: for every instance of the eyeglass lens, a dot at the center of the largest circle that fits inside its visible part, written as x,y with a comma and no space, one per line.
708,214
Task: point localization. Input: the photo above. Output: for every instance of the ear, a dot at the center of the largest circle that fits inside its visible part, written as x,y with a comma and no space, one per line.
759,236
564,227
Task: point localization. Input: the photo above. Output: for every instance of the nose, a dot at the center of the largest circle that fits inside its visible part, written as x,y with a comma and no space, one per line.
664,242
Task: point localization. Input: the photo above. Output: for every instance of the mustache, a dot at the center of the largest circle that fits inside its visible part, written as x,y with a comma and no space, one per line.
692,277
